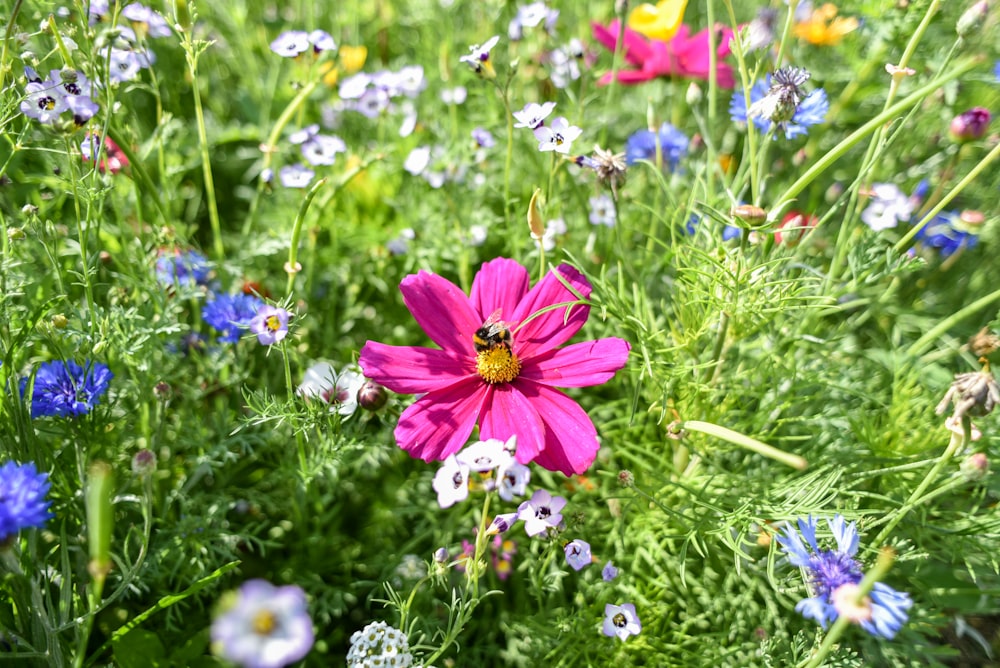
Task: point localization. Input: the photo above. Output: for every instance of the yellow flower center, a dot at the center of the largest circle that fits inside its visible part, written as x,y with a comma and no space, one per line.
264,623
498,364
272,323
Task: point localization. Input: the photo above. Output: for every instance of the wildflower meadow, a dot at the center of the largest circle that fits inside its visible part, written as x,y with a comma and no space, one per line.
446,333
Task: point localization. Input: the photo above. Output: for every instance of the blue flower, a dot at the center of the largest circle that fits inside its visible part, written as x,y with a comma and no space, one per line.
182,268
66,389
22,501
945,232
230,315
811,111
577,553
642,145
829,570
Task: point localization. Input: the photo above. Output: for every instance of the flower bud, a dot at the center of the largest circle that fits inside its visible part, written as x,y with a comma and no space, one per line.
970,125
975,467
144,462
372,396
59,321
535,222
972,18
625,478
753,215
441,555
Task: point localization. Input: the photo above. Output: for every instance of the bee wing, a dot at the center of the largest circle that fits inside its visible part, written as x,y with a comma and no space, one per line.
494,317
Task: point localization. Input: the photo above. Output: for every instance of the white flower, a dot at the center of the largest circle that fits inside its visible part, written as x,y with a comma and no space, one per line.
602,211
483,456
479,56
418,159
512,480
558,137
339,390
451,482
533,115
454,95
323,149
888,207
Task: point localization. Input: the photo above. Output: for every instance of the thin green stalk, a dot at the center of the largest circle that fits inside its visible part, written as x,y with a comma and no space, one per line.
271,146
925,341
744,441
786,32
952,194
747,82
954,445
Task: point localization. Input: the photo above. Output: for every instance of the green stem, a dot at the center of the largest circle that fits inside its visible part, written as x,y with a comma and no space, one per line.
271,146
954,445
744,441
925,341
747,85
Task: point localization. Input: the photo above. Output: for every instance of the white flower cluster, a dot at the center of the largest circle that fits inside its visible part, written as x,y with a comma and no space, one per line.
379,645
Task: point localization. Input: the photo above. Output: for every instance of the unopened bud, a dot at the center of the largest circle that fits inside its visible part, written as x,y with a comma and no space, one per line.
975,467
750,214
972,19
970,125
693,95
144,462
441,555
372,396
625,478
15,233
162,390
59,321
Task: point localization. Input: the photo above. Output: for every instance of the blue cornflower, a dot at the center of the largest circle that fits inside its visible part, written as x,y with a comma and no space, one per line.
182,268
947,233
66,389
642,145
829,570
810,111
230,315
22,498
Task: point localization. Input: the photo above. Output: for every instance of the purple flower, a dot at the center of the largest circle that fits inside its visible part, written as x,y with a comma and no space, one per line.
621,621
609,572
970,125
483,138
828,570
501,523
558,137
323,149
577,554
642,146
533,115
264,627
66,389
295,176
22,498
156,25
290,43
43,102
451,482
270,324
123,65
230,315
541,512
82,108
808,110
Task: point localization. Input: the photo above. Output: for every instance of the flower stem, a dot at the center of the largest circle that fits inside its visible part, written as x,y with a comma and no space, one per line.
744,441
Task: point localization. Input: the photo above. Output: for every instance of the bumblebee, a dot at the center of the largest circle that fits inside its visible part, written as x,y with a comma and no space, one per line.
493,334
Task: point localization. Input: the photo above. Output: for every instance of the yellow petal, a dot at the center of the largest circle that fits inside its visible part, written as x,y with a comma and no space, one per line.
660,21
352,58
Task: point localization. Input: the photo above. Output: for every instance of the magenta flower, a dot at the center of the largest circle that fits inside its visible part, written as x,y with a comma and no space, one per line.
682,56
506,382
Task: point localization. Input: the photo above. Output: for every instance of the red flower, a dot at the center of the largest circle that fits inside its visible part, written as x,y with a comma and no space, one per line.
680,57
506,387
794,226
113,159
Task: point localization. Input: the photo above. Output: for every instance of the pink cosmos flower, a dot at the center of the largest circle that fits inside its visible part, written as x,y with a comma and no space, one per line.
507,388
680,57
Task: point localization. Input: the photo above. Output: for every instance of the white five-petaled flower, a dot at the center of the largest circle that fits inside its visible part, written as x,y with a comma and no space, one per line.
479,57
321,381
541,512
888,207
451,482
558,137
533,115
621,621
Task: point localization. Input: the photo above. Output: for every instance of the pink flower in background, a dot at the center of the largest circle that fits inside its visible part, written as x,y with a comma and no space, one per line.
504,380
682,56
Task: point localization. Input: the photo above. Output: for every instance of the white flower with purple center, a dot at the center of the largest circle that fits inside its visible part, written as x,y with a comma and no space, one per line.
602,211
321,41
577,554
155,24
621,621
479,57
541,512
270,324
483,456
410,80
882,613
451,482
533,115
372,102
887,207
295,176
323,149
43,102
290,43
321,381
264,626
558,137
82,107
564,67
123,65
609,572
512,480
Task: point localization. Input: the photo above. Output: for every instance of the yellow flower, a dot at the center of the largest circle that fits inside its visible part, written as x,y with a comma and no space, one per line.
660,21
350,59
824,28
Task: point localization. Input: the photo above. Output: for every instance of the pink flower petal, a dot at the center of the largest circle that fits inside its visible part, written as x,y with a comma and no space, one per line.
500,284
442,310
551,328
579,365
636,48
509,413
412,370
439,423
570,437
